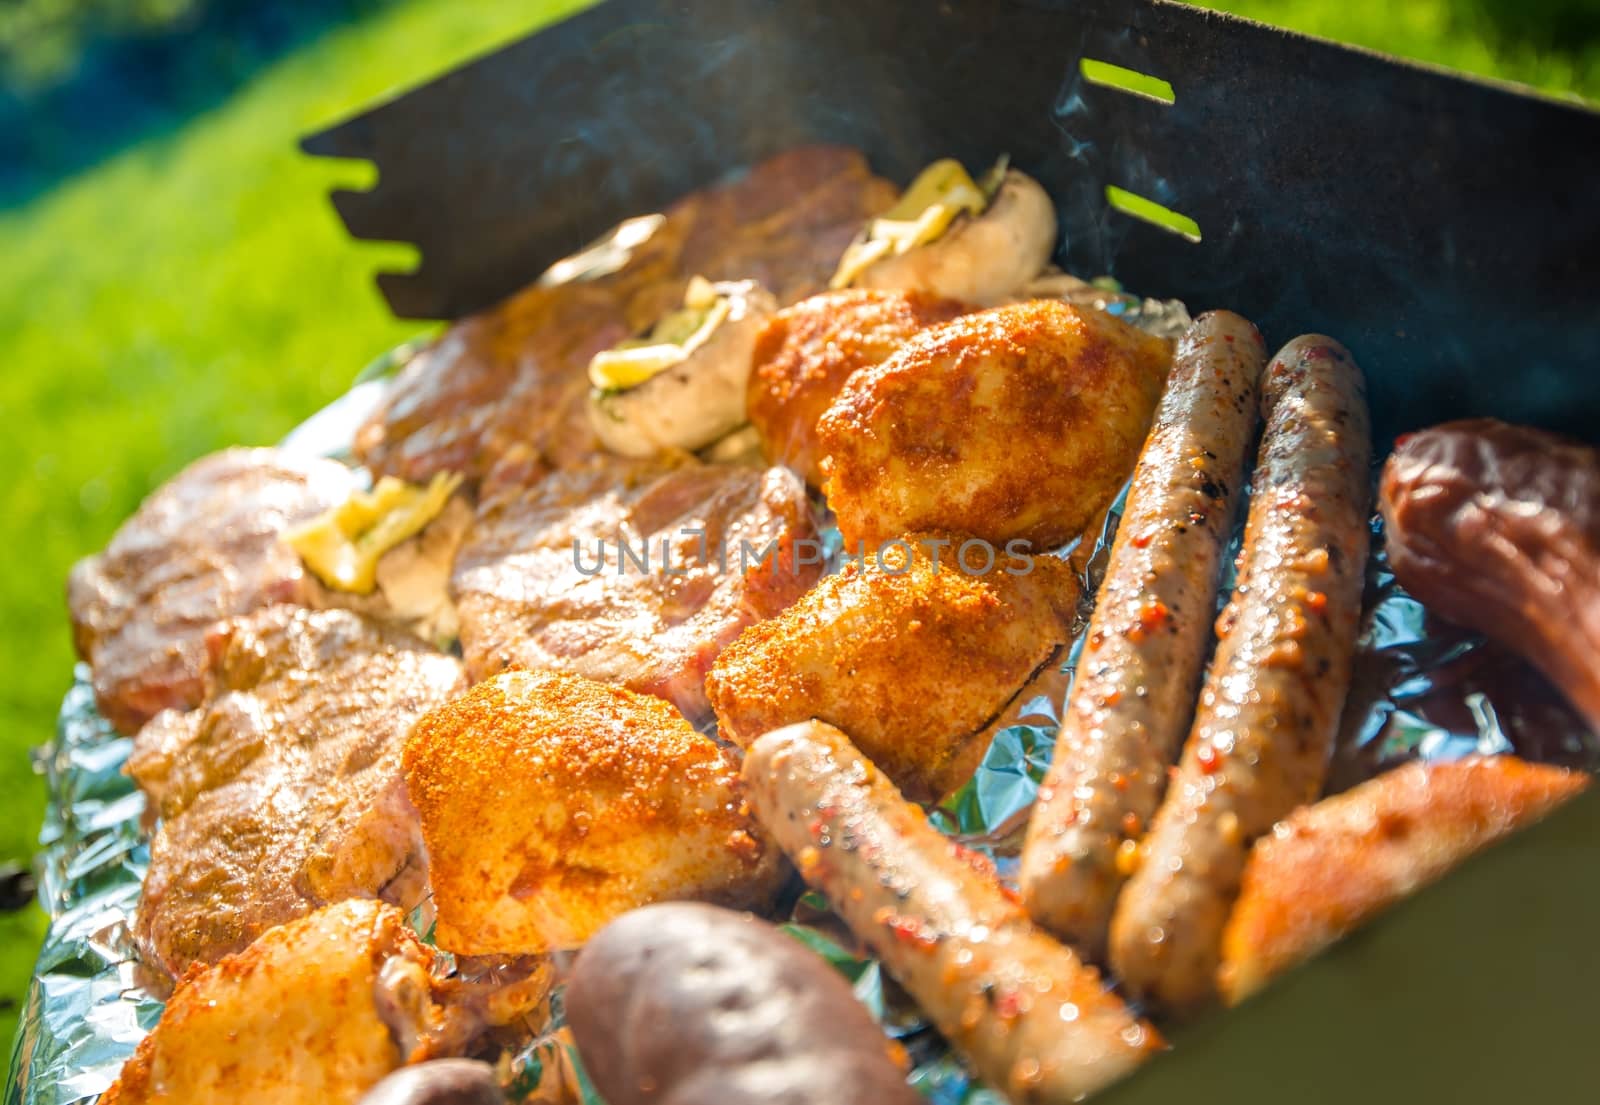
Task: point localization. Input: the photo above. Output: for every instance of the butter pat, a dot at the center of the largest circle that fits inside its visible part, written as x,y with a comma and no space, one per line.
342,546
671,341
942,192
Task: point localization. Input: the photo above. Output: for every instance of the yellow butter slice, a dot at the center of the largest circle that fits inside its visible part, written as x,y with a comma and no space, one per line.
940,193
342,546
671,341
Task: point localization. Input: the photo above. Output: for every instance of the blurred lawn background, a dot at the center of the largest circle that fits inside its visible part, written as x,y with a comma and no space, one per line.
178,282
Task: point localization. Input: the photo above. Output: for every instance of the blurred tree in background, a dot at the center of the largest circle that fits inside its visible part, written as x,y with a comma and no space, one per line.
42,40
1552,24
81,78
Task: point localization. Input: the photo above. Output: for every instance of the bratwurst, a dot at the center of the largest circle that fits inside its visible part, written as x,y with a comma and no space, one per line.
1270,706
1136,680
1031,1017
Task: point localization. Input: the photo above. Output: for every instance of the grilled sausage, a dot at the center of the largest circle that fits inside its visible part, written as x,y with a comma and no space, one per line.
1497,527
439,1082
685,1004
1136,681
1270,705
1033,1020
1328,868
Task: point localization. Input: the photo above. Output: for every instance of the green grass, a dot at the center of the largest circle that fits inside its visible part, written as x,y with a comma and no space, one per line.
1452,33
197,290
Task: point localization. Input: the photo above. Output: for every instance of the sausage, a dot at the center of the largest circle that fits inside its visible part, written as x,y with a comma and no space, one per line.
683,1003
1269,709
438,1082
1141,664
1328,868
1497,527
1033,1020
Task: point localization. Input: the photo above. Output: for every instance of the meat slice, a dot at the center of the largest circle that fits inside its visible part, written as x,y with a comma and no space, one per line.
913,654
283,792
635,573
512,378
1331,867
552,804
202,548
315,1012
783,223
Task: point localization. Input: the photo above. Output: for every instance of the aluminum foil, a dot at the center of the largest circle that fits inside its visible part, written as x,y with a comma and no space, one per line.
1422,689
84,1014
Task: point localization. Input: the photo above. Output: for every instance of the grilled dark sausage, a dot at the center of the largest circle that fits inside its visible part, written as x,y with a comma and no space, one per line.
1032,1018
1270,705
1135,687
439,1082
682,1004
1497,527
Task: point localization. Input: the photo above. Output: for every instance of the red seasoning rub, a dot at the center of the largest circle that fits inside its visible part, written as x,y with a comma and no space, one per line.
202,548
806,352
1016,423
552,804
1329,868
1270,706
1136,680
886,650
1034,1020
317,1010
1497,527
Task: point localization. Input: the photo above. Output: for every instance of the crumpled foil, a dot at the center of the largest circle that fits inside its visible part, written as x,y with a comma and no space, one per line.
1422,689
84,1014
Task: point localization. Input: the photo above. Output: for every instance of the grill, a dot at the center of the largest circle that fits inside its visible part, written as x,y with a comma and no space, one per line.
1445,229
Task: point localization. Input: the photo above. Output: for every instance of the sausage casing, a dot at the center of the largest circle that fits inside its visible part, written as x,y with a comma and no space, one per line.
1270,706
1497,527
1136,680
1330,867
1033,1019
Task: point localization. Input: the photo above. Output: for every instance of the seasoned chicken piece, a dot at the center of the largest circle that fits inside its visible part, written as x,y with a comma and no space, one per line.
1017,423
202,548
1331,867
283,792
913,654
551,804
806,352
313,1013
514,377
632,572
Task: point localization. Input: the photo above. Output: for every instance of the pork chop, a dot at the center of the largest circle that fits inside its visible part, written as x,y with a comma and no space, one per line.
513,378
202,548
635,573
283,791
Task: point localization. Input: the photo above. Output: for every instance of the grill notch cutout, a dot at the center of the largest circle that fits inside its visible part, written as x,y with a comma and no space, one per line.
1148,210
1143,85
